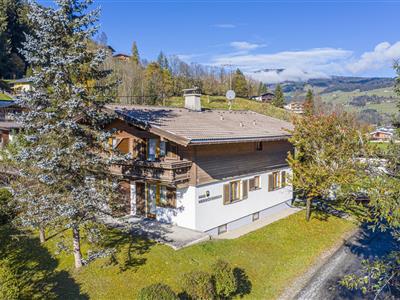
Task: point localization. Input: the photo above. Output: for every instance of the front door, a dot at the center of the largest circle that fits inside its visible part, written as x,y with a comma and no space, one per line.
140,198
151,200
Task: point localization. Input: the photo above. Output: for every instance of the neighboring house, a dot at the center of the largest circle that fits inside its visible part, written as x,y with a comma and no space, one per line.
8,126
21,85
295,107
267,97
122,57
383,134
207,170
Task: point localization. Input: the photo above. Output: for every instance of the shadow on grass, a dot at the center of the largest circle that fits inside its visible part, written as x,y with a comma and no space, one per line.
29,270
129,248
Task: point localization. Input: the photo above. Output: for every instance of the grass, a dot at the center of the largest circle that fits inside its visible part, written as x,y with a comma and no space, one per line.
271,257
220,102
4,97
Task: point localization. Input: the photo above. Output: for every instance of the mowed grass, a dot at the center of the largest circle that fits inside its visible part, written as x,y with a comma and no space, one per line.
4,97
220,102
271,257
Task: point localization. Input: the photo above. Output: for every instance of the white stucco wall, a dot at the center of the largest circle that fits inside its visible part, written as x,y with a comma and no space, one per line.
199,211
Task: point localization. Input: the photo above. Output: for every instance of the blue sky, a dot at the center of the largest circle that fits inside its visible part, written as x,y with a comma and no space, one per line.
306,38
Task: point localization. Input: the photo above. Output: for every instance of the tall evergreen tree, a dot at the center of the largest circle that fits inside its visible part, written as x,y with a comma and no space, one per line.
239,84
64,121
162,61
135,57
279,99
309,103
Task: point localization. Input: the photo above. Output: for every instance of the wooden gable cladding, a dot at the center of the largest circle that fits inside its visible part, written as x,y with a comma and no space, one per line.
218,162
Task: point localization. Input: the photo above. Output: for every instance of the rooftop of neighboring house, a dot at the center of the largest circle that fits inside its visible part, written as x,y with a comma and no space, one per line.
8,125
7,103
121,55
22,80
186,127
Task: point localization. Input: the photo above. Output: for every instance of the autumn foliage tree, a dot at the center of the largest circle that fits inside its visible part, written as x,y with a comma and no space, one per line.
326,156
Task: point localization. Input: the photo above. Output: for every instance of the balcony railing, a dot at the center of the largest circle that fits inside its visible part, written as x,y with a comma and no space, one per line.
171,172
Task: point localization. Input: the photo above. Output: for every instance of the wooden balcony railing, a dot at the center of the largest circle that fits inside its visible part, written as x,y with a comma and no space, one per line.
170,172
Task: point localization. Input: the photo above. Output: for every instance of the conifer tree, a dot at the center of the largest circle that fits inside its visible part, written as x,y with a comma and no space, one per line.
309,103
162,61
64,122
135,53
239,84
262,88
279,99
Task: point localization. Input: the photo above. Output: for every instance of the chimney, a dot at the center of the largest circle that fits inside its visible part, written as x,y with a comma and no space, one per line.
192,99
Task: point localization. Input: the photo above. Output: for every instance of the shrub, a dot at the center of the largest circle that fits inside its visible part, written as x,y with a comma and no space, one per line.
199,285
224,279
9,282
156,292
6,211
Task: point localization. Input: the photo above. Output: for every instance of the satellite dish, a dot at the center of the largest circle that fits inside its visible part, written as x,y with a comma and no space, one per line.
230,95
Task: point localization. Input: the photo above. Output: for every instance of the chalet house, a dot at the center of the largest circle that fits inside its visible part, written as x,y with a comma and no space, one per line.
382,134
122,57
21,85
8,126
266,97
207,170
295,107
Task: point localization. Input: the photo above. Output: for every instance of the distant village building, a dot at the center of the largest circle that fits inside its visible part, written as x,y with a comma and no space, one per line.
383,134
122,57
21,85
295,107
8,126
266,97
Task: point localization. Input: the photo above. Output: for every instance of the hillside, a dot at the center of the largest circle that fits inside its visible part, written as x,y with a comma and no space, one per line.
220,102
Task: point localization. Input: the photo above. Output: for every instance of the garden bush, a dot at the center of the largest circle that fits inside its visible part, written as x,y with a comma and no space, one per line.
224,279
199,285
6,211
157,291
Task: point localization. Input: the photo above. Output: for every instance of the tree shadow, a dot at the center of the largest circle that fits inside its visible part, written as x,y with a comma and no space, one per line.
33,268
129,248
243,281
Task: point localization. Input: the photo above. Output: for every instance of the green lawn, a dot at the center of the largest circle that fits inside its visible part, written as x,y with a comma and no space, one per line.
4,97
220,102
271,257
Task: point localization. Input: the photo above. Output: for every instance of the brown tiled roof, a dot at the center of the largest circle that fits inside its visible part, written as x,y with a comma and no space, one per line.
205,127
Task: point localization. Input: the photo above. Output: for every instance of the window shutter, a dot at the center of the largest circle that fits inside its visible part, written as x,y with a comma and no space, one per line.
283,180
171,197
270,182
226,194
245,189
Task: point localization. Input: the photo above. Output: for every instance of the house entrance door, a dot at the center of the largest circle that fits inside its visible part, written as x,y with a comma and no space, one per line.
140,199
151,200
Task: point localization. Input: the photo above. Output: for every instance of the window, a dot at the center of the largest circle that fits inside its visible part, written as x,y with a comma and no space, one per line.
256,216
259,146
254,183
152,149
163,148
163,199
235,191
245,189
222,229
276,180
172,151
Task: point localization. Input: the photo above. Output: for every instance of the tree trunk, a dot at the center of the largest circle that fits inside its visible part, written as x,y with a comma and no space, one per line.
308,209
42,235
77,246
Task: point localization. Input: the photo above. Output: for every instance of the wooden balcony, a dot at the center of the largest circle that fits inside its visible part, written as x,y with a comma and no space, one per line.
175,172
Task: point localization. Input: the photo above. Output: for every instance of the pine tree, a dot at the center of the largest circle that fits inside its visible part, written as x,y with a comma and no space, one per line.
162,61
239,84
64,122
279,99
262,88
309,103
135,53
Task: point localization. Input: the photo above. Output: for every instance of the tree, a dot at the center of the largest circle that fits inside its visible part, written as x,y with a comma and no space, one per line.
64,126
239,84
279,99
262,88
103,39
162,61
309,103
327,148
135,57
158,82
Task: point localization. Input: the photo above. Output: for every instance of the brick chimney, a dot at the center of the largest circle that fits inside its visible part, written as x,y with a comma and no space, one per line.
192,99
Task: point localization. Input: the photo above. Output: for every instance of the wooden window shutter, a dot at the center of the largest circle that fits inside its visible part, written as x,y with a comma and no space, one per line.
171,197
283,178
226,194
270,182
245,189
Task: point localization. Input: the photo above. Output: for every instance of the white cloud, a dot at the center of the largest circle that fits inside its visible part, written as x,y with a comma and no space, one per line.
245,45
226,26
382,56
291,74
